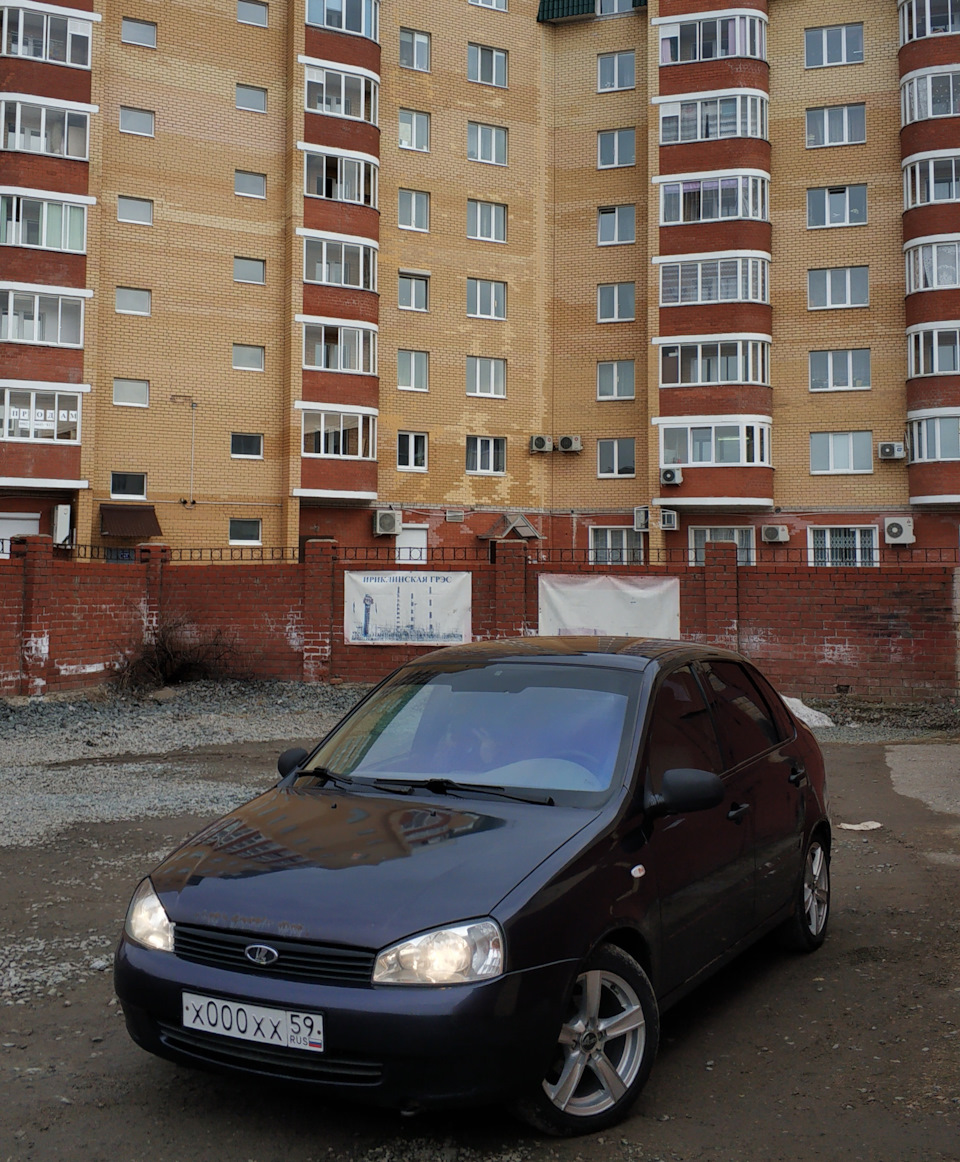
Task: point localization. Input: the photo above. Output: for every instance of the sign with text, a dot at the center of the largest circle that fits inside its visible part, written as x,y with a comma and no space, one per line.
407,608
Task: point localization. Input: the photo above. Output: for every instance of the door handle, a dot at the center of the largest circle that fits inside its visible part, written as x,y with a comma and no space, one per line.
737,811
798,775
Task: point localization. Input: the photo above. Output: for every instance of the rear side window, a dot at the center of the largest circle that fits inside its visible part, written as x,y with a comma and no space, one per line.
681,733
744,720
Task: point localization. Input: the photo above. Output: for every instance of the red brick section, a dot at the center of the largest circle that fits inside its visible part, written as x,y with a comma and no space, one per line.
11,623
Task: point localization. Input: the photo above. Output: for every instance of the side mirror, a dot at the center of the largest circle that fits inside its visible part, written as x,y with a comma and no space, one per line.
685,789
290,760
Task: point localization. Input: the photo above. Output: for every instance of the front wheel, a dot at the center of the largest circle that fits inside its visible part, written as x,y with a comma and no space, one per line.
806,929
605,1050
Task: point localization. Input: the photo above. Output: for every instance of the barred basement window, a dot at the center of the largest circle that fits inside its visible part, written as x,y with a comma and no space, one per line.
718,443
340,263
341,94
933,266
47,319
730,361
930,95
341,179
934,438
45,129
39,415
701,40
341,435
361,17
710,118
709,199
745,280
44,224
57,39
842,547
331,347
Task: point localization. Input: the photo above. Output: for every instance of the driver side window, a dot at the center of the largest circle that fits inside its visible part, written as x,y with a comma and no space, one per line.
681,731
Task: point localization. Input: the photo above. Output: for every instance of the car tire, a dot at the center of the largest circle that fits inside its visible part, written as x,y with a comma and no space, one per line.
595,1077
806,929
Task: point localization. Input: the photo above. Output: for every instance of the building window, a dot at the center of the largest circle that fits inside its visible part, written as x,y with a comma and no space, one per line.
616,457
412,451
616,148
487,143
615,379
702,40
39,415
919,18
252,12
133,301
54,38
487,66
413,292
341,179
616,302
49,320
132,485
744,280
249,185
930,95
141,32
360,17
413,370
616,225
841,453
486,376
844,370
615,546
730,361
486,299
836,206
934,438
707,119
330,347
838,286
932,266
414,130
836,125
716,442
131,393
842,547
47,225
615,70
415,50
339,94
414,210
249,270
486,221
934,350
342,435
244,531
744,538
709,199
339,263
139,122
246,445
45,129
247,358
841,44
138,210
931,180
499,5
251,98
487,455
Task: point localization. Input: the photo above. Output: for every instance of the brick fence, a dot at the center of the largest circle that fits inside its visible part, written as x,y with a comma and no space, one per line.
887,633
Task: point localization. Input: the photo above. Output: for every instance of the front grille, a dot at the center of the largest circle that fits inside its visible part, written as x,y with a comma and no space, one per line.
297,959
275,1061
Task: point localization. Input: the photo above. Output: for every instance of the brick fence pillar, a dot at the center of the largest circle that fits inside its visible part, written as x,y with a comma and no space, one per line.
319,561
36,553
510,589
721,594
154,556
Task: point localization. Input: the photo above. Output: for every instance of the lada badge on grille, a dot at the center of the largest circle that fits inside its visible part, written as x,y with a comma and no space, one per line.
261,954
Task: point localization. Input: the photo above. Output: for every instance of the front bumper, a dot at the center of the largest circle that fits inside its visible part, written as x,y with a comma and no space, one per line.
403,1046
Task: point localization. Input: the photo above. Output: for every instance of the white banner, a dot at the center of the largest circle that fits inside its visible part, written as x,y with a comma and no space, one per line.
606,605
406,607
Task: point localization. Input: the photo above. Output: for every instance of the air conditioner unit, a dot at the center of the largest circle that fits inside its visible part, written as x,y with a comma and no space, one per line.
641,518
898,530
891,451
61,524
541,443
671,475
387,522
774,534
669,520
570,444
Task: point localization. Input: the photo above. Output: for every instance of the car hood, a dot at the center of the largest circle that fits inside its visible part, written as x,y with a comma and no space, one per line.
357,869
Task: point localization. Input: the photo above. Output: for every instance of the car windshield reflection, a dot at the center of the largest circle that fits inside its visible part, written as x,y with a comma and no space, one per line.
512,725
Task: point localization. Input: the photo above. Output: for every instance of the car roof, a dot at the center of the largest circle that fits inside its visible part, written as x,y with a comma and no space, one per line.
635,653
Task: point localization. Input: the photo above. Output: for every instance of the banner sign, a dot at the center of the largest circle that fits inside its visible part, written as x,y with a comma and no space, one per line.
407,608
605,605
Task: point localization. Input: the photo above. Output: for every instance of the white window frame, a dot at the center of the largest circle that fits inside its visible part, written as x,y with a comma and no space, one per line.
627,227
615,134
151,113
128,495
487,293
704,352
332,249
486,451
615,443
418,39
921,88
417,198
248,347
752,441
343,336
848,52
261,270
239,541
250,90
834,275
122,403
925,435
487,65
332,84
139,290
916,20
622,302
140,202
832,197
247,173
496,224
417,120
932,263
733,32
616,376
50,208
743,536
614,7
412,439
71,111
842,446
712,191
354,17
417,281
914,178
706,117
493,5
411,386
933,349
825,555
246,455
834,359
132,24
366,428
486,376
823,113
487,139
9,295
40,419
359,170
688,280
628,550
620,83
260,7
77,30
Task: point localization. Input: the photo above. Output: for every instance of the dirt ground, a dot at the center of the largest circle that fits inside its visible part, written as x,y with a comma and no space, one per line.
852,1053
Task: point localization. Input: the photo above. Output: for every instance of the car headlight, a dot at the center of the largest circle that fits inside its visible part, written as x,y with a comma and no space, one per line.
455,955
147,923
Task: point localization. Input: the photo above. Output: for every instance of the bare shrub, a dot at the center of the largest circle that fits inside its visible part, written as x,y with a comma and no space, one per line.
176,651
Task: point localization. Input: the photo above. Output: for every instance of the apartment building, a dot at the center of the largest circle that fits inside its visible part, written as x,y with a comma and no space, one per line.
611,278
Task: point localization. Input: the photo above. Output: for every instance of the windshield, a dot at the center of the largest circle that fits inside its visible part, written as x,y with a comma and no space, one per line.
514,725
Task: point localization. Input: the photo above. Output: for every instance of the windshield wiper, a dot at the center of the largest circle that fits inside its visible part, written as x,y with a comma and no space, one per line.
444,786
326,776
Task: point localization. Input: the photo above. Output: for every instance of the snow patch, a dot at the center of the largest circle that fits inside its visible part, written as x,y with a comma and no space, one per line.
807,714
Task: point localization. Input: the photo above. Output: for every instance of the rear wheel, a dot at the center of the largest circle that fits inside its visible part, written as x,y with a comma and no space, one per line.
806,929
605,1050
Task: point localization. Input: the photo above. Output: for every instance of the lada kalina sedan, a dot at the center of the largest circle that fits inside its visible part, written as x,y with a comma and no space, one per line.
488,881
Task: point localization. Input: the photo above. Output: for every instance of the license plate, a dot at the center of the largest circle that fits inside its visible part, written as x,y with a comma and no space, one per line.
281,1027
